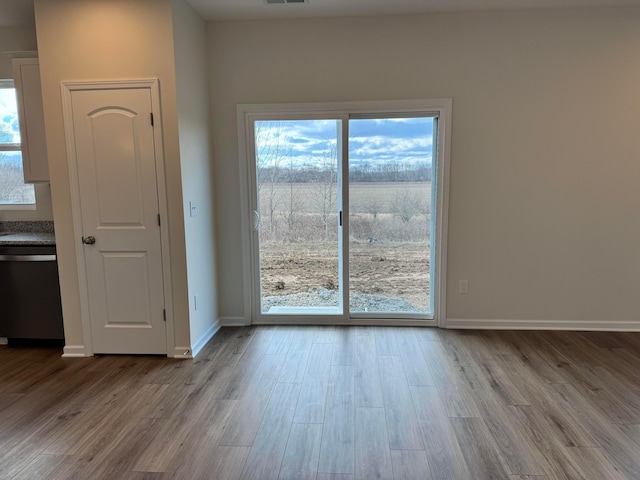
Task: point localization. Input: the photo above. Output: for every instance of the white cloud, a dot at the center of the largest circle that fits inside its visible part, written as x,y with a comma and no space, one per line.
308,142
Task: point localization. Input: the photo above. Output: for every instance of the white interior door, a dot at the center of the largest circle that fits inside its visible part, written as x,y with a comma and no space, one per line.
116,171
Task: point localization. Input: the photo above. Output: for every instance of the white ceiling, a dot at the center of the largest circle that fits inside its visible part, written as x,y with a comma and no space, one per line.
17,13
256,9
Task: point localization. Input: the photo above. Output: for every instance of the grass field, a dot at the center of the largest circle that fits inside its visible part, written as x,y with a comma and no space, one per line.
362,195
305,212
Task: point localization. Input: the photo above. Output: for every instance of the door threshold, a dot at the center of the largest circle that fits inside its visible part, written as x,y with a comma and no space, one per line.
356,322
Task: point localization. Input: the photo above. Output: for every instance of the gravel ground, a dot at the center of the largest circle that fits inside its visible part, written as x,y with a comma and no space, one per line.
382,270
322,297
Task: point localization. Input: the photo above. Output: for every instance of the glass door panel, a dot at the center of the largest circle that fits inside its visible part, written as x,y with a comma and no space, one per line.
390,215
298,170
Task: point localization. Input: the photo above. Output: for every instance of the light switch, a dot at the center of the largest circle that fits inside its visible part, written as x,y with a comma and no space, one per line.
193,209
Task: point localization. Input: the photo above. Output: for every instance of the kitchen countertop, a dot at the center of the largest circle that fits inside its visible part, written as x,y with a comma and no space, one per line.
26,238
27,233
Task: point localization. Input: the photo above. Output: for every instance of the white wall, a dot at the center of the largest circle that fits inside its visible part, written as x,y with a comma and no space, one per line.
20,40
191,57
98,40
545,167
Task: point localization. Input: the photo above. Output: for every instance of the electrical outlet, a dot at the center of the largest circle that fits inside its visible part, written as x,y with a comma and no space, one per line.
463,287
193,209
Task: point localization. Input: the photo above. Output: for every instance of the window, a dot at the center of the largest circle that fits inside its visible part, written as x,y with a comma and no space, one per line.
13,190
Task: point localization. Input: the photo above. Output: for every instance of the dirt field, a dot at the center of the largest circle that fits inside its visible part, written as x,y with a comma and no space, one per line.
389,252
386,269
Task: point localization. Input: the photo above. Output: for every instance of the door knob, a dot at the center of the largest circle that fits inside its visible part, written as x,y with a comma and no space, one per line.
88,240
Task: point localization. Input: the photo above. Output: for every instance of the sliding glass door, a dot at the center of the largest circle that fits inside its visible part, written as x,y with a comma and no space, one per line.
298,170
344,215
390,204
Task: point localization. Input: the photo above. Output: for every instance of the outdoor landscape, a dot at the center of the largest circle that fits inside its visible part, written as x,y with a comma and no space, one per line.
388,246
389,230
12,187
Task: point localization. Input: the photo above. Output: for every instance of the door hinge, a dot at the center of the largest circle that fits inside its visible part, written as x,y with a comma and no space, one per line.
159,223
151,115
164,315
340,221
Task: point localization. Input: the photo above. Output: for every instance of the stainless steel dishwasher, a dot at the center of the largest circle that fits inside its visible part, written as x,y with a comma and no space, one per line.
30,307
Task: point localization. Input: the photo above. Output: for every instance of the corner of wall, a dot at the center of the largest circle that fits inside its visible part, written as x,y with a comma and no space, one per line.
204,339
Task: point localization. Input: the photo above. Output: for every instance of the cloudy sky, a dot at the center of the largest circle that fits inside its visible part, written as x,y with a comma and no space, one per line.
374,141
9,127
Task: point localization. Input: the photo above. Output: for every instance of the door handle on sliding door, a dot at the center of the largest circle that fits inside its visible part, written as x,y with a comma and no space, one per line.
256,220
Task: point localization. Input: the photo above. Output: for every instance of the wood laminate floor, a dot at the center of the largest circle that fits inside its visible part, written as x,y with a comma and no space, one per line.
333,403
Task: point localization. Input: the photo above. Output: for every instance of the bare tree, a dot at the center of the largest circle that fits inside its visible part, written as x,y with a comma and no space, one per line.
374,208
406,205
12,186
324,197
292,213
269,159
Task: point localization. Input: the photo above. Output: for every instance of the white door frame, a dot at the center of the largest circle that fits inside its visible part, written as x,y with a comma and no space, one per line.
246,113
153,85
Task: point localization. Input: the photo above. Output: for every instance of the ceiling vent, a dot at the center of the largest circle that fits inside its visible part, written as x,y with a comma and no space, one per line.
273,2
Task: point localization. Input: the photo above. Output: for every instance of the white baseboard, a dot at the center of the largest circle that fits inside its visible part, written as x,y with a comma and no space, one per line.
233,322
208,335
575,325
74,351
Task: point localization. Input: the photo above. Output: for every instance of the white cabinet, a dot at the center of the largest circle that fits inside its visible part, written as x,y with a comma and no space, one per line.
26,75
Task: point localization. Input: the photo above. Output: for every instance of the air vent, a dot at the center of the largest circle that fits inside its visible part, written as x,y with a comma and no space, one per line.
273,2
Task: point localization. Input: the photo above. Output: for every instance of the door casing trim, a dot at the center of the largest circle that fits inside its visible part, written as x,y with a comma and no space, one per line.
153,85
442,106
